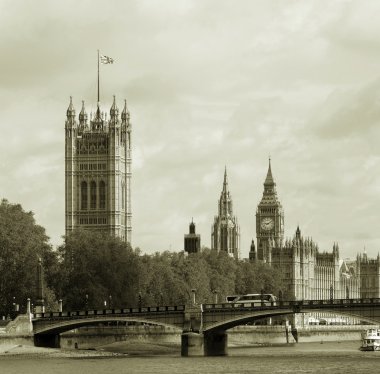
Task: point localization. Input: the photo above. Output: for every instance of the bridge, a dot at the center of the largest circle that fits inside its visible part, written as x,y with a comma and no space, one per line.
203,326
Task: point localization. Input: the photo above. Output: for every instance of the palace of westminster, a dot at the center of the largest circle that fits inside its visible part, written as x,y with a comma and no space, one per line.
98,196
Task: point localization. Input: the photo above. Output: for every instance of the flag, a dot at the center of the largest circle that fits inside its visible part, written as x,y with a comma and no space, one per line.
106,60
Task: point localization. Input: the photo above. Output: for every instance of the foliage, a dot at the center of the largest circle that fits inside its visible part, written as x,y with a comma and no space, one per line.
97,269
22,242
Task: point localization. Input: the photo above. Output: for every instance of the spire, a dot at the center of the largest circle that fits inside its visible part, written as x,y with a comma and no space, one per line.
83,115
269,179
192,227
70,110
125,112
114,111
225,181
270,193
298,232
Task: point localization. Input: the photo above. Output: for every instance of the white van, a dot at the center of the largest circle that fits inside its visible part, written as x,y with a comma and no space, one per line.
256,299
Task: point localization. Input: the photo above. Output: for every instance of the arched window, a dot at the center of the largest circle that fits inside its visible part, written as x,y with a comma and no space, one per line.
102,195
93,195
83,195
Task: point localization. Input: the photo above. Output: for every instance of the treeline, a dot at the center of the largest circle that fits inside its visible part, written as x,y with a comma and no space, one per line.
94,270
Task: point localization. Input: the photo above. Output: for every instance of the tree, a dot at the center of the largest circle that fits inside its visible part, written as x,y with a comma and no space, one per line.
97,267
257,277
22,242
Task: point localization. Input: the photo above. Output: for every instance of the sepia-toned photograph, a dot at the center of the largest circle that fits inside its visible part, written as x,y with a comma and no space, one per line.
189,186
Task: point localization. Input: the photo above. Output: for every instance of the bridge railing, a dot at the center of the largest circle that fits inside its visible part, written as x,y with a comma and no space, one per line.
292,303
104,312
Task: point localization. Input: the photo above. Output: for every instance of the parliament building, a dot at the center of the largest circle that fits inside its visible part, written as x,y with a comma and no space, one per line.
307,272
98,171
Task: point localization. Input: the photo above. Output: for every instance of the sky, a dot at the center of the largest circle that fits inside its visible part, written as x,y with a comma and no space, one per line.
209,84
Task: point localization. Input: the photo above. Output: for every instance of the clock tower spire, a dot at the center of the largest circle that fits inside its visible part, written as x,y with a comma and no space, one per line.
269,219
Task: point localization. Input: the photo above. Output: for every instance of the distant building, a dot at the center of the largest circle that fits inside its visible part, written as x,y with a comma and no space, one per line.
98,171
225,232
369,276
192,240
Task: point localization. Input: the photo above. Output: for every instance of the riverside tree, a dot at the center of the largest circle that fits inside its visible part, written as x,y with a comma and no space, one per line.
97,270
22,242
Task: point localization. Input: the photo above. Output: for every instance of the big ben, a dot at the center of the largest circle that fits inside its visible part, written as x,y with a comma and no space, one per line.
269,220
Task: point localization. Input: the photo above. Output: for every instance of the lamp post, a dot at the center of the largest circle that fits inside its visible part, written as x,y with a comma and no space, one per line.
193,291
215,292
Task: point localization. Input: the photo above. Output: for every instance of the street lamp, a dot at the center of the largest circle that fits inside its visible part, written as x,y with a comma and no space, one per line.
193,291
215,292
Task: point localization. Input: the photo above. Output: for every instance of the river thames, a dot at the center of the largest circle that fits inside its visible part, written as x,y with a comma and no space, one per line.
329,357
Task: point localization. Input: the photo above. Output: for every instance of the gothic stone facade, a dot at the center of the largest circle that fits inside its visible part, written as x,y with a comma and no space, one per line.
98,171
225,232
307,272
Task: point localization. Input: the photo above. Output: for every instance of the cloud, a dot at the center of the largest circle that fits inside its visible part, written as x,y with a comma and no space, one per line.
349,112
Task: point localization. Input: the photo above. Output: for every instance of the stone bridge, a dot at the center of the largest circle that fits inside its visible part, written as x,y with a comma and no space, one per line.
203,326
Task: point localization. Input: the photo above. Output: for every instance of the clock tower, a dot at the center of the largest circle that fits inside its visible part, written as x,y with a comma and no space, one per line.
269,220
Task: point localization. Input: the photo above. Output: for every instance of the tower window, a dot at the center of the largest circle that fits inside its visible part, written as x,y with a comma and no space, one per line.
102,195
83,194
93,195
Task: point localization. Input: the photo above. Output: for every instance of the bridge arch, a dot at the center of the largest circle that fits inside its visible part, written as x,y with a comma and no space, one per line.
244,318
63,326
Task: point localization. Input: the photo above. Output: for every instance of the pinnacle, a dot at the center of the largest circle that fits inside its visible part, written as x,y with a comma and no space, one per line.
269,179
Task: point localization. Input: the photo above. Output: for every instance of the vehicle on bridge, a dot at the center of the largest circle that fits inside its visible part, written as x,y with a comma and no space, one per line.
370,340
256,299
231,298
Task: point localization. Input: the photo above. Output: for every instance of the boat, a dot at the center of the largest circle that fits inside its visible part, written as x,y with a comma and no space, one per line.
370,340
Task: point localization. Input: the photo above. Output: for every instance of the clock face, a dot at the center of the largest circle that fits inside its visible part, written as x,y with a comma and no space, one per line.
267,223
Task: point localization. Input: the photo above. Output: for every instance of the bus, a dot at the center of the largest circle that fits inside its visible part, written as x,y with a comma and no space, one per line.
256,299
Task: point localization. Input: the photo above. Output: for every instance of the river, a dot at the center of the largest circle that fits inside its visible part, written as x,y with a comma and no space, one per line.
328,357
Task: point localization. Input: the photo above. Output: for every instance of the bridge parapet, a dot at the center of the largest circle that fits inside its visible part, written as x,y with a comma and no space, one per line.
56,322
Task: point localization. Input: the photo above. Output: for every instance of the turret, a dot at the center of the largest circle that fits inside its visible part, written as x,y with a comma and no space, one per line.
97,123
70,113
114,113
83,117
298,233
125,113
252,252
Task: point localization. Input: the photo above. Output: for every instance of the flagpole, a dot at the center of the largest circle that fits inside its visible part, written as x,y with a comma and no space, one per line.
98,75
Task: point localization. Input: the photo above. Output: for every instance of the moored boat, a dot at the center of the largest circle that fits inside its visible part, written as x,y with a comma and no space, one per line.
371,340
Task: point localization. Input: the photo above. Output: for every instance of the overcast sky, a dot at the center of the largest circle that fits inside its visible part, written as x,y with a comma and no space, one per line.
208,83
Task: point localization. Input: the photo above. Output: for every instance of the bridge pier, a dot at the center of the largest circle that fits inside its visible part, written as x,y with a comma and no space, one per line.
47,340
208,344
192,344
215,343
